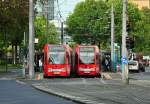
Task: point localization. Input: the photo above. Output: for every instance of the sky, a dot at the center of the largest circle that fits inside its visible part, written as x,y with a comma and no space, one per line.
67,7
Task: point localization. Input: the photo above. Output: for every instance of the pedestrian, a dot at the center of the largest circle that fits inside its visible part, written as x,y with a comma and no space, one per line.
35,69
26,66
109,65
40,65
106,64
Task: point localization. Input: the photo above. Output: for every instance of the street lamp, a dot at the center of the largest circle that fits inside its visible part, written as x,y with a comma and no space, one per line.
124,49
112,35
31,40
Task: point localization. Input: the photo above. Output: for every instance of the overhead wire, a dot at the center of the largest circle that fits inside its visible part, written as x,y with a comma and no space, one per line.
59,12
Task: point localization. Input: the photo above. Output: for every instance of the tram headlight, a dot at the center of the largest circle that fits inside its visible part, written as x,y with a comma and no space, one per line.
50,70
82,69
56,70
87,69
93,69
63,69
60,70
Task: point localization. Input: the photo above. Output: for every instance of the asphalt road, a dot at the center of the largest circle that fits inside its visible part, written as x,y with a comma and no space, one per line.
89,90
15,92
141,75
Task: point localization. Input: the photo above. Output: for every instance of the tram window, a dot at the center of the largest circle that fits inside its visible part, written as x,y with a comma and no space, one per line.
56,58
50,60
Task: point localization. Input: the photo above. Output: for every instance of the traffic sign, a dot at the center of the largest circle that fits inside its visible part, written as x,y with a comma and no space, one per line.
124,60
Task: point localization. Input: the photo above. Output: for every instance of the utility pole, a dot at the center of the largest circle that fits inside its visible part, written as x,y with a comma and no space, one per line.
47,22
6,51
112,35
62,33
24,39
24,55
31,40
124,49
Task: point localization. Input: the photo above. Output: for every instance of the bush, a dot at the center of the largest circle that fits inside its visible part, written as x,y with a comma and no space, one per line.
2,62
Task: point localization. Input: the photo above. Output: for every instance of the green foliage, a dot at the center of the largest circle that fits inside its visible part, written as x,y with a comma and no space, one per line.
40,33
53,36
144,32
133,16
89,22
72,45
40,29
2,62
13,20
137,22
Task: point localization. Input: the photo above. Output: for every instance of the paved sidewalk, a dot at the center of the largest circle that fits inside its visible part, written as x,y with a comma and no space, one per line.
94,90
106,90
97,93
111,75
9,75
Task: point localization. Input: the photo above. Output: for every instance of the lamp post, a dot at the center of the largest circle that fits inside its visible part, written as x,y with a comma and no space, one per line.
112,35
5,38
47,23
62,33
31,40
124,49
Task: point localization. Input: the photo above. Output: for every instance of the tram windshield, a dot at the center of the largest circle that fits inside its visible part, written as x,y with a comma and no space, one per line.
56,55
86,55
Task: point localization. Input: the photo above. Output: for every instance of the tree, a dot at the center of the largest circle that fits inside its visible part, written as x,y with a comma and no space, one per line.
40,33
137,27
133,16
145,31
13,21
89,21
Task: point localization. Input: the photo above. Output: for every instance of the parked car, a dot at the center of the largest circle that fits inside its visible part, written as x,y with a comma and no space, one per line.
146,62
135,65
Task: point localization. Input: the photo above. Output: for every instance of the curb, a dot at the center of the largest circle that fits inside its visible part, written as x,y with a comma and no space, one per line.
65,96
111,76
106,76
80,100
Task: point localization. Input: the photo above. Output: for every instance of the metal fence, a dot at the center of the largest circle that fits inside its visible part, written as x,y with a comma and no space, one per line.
7,62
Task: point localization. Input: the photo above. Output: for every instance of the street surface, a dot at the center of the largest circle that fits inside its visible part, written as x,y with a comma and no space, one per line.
99,91
81,90
142,78
15,92
141,75
95,91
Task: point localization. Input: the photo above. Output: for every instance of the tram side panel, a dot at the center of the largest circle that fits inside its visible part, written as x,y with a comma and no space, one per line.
87,61
57,61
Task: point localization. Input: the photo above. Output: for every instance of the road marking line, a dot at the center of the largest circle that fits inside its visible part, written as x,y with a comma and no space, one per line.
101,80
4,78
20,82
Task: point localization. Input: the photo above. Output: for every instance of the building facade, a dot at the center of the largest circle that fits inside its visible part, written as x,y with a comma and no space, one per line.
141,3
